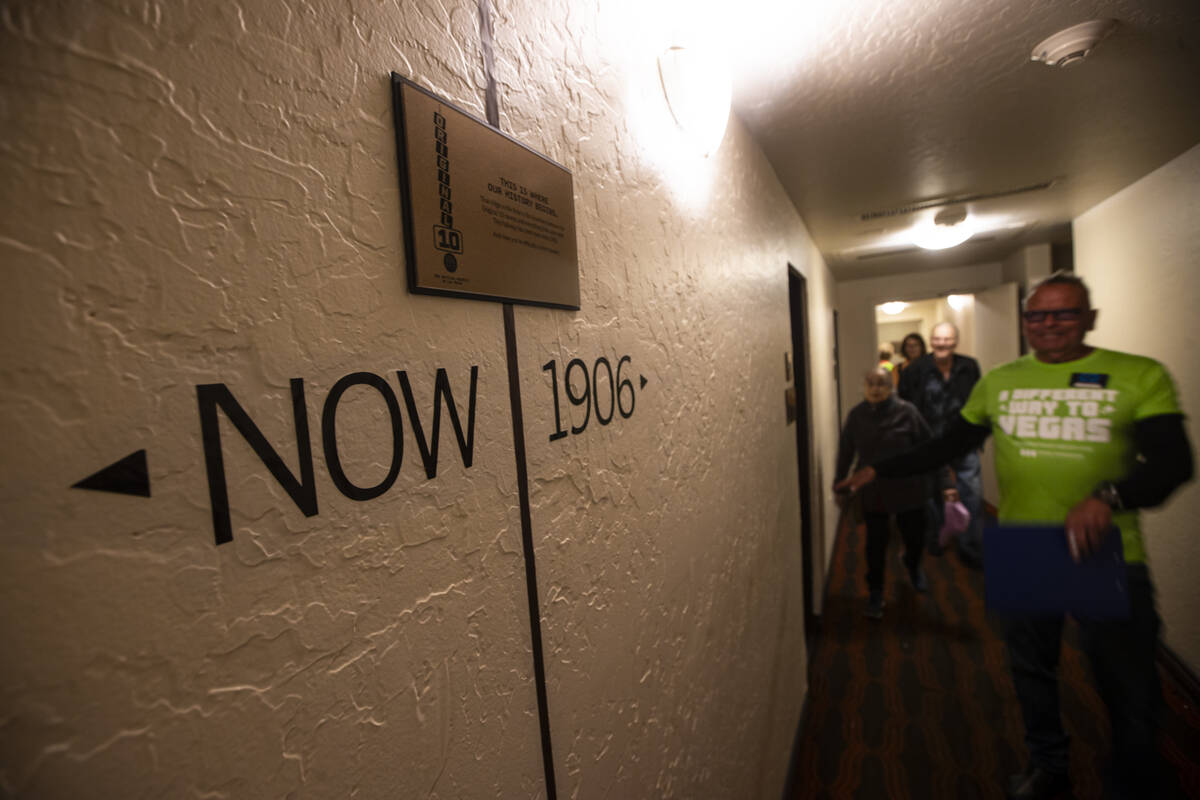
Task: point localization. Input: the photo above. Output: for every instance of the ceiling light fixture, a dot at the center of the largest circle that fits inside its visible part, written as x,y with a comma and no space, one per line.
957,301
893,307
1070,46
951,227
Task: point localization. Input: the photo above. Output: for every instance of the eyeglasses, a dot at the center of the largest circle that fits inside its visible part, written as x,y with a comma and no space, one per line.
1058,314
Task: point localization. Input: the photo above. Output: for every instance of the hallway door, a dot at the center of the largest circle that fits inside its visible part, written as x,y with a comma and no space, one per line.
798,300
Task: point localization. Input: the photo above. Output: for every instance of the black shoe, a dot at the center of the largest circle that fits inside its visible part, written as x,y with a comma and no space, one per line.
874,606
919,581
1037,784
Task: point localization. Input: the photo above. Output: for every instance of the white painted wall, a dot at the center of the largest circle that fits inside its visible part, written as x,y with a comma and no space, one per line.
922,315
999,341
1138,252
919,316
1028,265
209,195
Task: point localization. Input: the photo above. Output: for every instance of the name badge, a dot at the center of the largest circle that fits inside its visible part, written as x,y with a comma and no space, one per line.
1089,380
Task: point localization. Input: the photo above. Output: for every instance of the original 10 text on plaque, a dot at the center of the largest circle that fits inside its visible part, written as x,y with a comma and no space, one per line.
484,216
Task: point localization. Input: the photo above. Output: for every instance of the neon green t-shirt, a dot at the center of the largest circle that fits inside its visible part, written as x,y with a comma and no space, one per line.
1060,429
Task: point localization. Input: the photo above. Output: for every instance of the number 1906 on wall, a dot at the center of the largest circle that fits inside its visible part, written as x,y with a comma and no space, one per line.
604,391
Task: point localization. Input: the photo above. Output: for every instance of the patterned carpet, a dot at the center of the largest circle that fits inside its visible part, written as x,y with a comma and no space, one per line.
920,705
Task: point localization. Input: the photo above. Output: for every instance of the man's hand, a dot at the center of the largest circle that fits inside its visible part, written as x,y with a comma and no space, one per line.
950,495
856,481
1087,524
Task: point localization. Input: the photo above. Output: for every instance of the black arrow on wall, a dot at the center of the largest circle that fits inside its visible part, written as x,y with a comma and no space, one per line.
127,476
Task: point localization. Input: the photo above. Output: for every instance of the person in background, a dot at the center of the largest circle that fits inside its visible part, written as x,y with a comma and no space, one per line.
938,384
887,356
912,348
879,426
1084,437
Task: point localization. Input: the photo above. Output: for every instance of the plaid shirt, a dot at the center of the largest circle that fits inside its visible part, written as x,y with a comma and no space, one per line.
939,399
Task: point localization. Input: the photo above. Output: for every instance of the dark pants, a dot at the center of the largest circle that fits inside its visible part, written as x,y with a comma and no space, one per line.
912,530
1121,653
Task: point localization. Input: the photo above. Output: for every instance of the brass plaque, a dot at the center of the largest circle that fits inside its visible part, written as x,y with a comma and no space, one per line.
485,217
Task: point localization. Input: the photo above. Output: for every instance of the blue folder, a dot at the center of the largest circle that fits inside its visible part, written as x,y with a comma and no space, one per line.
1029,570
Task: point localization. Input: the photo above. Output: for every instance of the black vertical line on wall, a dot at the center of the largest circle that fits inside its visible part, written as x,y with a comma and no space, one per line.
492,106
490,99
531,585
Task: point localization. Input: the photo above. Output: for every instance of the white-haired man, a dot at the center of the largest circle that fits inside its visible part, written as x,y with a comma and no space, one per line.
938,384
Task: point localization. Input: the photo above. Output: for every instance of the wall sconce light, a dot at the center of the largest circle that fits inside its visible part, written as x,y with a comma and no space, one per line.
958,301
894,307
698,88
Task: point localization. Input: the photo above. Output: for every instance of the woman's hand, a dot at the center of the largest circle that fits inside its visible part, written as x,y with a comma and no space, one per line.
856,481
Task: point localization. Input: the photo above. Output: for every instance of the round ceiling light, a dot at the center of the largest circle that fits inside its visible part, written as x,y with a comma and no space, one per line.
951,227
1069,47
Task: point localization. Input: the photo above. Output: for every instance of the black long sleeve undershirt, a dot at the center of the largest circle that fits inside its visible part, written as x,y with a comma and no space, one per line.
960,438
1164,462
1164,457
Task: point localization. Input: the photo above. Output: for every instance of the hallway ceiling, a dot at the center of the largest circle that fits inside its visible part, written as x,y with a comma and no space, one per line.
867,106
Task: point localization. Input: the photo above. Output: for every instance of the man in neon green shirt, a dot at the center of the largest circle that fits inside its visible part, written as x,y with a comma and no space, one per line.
1084,438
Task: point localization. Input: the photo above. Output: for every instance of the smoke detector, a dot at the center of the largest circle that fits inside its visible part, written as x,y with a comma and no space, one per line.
1070,46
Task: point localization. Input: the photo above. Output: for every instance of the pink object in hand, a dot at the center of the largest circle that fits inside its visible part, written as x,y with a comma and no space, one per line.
954,522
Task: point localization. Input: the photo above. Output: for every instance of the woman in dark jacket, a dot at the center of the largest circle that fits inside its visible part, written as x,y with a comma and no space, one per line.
880,426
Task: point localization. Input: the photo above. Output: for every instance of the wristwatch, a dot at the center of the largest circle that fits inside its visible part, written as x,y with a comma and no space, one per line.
1107,492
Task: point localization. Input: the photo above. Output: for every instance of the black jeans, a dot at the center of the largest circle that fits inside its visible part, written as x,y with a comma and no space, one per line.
912,529
1121,653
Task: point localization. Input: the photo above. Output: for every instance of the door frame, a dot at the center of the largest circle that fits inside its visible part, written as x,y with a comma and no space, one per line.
802,376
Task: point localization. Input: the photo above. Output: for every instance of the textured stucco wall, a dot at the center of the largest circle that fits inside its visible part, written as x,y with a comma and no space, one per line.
1138,252
207,193
1028,265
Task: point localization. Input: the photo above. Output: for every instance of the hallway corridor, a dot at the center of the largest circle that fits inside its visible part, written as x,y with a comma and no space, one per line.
920,705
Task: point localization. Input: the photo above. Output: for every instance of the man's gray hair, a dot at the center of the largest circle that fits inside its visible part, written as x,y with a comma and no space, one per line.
1060,277
953,327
